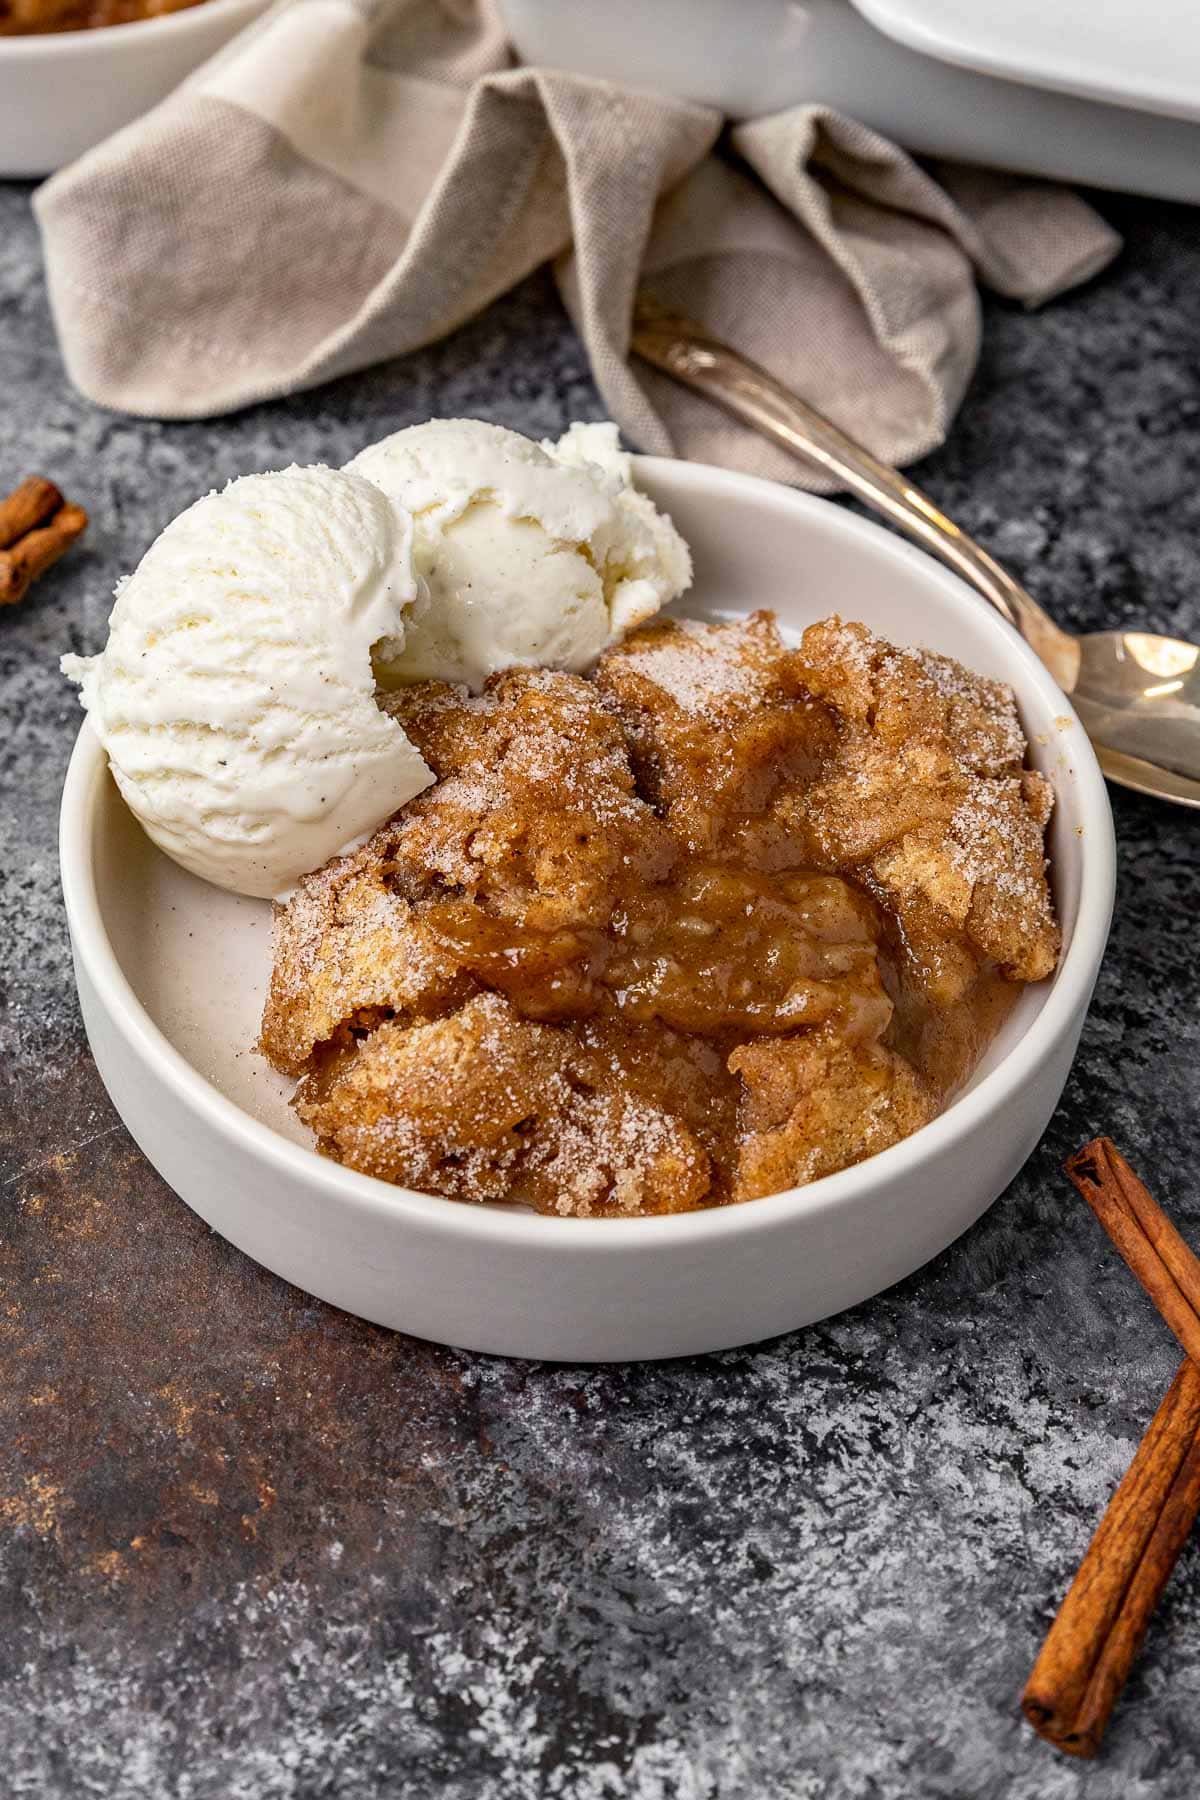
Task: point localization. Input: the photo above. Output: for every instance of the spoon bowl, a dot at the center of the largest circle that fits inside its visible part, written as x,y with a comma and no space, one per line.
1138,697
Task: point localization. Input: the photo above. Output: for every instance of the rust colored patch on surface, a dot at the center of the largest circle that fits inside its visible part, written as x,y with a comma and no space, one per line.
172,1414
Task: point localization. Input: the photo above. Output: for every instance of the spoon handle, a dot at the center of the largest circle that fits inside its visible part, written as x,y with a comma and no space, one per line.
714,369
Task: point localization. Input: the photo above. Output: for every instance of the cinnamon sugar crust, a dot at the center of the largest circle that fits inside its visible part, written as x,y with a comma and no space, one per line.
717,718
815,1103
929,801
724,918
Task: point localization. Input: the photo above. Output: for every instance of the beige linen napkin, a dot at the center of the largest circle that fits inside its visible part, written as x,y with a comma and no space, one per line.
351,179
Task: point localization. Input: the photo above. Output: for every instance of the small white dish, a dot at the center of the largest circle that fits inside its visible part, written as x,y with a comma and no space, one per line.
172,975
61,92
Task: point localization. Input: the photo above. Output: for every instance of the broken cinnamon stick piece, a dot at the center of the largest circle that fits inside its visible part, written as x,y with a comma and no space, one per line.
1145,1237
33,554
34,501
1091,1646
1171,1533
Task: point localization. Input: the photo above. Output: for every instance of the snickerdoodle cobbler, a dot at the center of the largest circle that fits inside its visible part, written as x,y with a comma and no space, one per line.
720,919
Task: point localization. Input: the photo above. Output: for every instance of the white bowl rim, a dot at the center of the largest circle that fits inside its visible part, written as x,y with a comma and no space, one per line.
1065,1003
48,44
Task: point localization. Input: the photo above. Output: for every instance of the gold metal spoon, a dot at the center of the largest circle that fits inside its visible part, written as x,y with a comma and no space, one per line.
1137,695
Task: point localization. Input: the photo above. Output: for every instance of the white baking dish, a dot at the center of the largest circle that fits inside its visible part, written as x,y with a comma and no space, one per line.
1107,94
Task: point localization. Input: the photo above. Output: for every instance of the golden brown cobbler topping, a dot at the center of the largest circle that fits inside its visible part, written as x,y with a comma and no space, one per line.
726,917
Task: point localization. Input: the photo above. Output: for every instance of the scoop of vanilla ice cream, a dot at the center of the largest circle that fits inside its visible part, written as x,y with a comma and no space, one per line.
235,695
649,564
528,553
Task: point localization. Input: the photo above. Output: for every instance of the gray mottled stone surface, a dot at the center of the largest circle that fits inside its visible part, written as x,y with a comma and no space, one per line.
254,1550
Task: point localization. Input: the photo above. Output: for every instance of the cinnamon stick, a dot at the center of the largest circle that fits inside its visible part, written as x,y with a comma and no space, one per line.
1090,1648
1091,1645
27,506
33,554
1171,1533
1143,1234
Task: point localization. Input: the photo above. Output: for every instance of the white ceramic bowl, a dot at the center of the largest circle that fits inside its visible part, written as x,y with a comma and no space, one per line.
172,975
63,91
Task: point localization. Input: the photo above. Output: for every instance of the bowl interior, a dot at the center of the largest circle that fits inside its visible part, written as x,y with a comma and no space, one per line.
198,959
